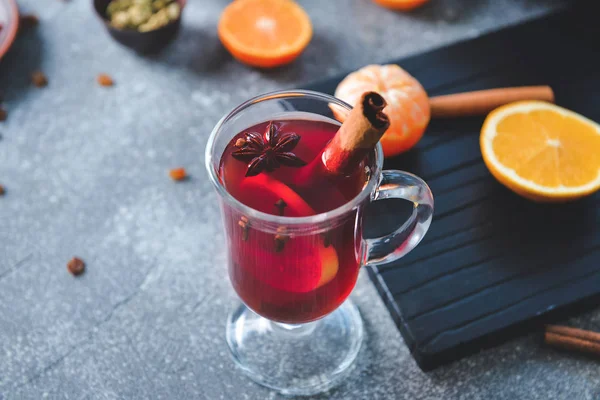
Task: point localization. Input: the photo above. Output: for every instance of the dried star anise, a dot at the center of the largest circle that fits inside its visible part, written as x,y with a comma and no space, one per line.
270,152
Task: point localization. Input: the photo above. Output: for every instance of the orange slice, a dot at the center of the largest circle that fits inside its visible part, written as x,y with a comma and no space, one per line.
329,264
262,191
402,5
408,103
265,33
305,264
542,151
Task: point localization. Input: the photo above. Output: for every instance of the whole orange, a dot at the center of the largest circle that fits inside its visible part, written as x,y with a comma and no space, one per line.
408,103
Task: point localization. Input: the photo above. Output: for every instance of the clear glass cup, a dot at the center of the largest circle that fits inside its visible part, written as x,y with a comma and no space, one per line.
296,341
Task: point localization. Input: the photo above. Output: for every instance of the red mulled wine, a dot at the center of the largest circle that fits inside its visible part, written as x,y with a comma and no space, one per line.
280,273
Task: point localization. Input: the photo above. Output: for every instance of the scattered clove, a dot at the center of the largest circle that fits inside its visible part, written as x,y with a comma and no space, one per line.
76,266
39,79
245,226
178,174
281,239
105,80
326,236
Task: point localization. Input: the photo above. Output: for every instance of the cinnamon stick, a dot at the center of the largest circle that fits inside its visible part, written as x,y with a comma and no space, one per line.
481,102
358,135
573,339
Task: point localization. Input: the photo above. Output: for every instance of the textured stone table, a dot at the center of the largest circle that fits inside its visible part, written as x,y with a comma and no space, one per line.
85,169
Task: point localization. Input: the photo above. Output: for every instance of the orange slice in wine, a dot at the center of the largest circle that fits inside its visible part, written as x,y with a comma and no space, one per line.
262,192
304,263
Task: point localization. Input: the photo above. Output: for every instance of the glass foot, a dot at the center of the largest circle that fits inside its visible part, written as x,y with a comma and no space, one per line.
296,359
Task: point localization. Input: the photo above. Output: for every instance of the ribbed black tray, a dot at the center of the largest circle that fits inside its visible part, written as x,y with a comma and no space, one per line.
493,264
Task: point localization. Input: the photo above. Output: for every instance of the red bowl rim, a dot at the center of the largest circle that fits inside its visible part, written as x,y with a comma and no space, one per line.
13,27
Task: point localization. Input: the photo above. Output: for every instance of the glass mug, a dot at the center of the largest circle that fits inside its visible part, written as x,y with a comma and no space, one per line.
296,331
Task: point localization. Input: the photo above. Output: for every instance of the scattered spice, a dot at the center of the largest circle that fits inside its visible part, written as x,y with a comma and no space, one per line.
2,191
357,136
142,15
281,239
245,226
241,142
178,174
270,152
3,114
27,22
76,266
39,79
281,205
105,80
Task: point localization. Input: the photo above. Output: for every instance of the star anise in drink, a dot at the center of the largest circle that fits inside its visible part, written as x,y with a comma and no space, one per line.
269,151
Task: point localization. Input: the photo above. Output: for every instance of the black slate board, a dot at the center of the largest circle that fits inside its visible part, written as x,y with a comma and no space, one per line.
493,264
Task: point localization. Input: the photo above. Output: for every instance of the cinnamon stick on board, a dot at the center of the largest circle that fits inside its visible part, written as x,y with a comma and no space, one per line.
481,102
357,136
573,339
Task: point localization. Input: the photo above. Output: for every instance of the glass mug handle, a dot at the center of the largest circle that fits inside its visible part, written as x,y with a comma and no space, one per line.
401,185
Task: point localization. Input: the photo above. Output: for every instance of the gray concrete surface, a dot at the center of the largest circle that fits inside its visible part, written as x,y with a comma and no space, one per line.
85,169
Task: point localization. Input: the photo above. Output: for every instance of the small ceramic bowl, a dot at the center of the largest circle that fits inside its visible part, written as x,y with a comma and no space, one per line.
142,42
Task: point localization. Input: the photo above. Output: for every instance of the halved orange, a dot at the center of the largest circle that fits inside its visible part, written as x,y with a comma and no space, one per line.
408,103
265,33
542,151
402,5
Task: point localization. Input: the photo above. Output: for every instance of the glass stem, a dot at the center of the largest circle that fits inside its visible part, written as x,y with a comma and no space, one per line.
296,330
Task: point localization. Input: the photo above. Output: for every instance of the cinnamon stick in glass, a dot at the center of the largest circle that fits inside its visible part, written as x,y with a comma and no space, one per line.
358,135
